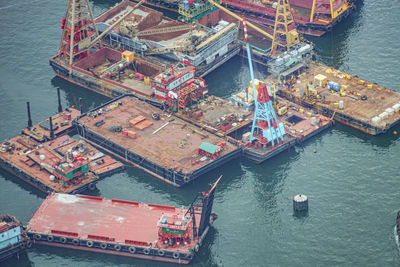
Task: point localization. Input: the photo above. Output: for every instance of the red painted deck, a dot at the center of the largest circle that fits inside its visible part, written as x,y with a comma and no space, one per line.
111,221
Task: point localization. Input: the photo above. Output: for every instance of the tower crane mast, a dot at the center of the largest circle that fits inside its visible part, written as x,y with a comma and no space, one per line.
266,129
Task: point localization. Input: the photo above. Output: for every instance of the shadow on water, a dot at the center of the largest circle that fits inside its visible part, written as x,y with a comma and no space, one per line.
23,185
22,261
205,255
332,48
231,172
237,80
73,92
384,140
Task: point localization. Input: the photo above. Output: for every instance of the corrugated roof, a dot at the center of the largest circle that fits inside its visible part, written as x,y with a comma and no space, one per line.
210,148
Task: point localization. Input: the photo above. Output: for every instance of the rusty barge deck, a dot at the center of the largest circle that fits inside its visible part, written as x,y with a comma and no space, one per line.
86,73
61,124
360,104
125,228
301,124
32,162
167,148
230,121
217,116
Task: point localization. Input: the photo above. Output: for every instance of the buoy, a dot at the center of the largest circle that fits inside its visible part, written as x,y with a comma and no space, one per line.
52,178
395,132
42,157
315,151
300,203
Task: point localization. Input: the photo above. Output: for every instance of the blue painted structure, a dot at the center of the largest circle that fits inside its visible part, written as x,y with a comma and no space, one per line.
263,111
12,239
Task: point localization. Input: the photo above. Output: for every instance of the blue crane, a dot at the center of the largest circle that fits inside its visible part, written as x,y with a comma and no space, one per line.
265,128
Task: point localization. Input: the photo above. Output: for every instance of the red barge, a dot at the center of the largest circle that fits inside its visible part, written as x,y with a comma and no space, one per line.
126,228
50,160
312,17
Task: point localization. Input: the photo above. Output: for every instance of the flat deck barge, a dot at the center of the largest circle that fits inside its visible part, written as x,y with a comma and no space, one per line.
93,72
147,31
34,163
298,123
350,100
163,145
121,227
301,124
61,124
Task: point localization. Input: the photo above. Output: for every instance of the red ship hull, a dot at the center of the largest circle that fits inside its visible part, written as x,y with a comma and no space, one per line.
124,228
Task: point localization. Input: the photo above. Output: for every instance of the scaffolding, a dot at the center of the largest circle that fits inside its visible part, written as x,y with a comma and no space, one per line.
78,30
285,34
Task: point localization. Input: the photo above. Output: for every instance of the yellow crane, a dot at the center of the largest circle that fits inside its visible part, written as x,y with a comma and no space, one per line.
283,22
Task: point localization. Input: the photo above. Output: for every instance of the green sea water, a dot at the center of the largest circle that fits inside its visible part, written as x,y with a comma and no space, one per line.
352,180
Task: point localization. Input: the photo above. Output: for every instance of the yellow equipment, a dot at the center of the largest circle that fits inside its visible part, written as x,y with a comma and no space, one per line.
320,80
325,7
283,21
282,110
128,56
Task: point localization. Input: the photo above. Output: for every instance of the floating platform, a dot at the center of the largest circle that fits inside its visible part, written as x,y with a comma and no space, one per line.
217,116
163,145
121,227
34,162
86,73
300,124
148,31
264,13
355,102
62,124
12,237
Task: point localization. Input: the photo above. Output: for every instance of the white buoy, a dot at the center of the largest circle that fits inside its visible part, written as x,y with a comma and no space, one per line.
42,157
52,178
300,203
